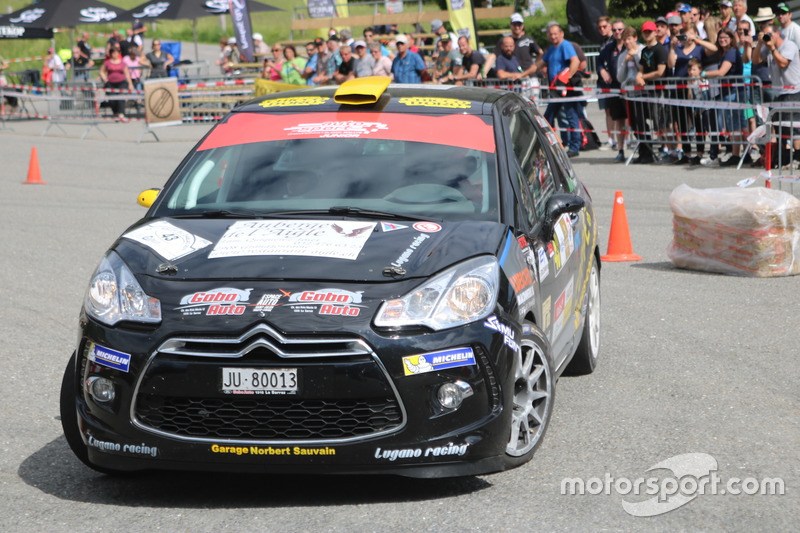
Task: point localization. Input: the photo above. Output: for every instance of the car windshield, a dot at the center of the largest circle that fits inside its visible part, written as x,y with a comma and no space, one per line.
440,167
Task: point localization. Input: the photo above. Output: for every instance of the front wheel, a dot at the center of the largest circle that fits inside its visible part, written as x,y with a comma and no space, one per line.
534,391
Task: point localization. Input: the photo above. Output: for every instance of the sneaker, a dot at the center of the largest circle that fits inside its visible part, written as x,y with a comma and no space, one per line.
709,161
572,153
620,157
667,159
681,160
732,161
694,161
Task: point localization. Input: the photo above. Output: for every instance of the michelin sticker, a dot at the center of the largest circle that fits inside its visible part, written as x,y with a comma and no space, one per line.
167,240
428,362
109,358
342,239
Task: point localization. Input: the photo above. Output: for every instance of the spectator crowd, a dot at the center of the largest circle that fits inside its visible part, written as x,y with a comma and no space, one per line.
689,50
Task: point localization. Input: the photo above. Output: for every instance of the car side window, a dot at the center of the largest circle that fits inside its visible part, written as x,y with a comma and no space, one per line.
531,156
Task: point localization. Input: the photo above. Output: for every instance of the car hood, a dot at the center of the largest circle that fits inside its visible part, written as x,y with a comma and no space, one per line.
342,250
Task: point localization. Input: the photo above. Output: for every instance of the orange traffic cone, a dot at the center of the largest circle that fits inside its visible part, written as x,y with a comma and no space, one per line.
619,239
34,176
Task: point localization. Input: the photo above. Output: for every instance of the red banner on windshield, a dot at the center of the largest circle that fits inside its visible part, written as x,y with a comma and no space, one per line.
463,131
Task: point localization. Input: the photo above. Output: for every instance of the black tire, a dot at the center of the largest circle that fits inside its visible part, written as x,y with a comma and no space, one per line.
533,396
585,359
69,419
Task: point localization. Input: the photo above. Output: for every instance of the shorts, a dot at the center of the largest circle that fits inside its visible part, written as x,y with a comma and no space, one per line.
617,107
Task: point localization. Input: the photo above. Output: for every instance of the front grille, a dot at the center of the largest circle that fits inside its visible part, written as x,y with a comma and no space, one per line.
239,418
177,393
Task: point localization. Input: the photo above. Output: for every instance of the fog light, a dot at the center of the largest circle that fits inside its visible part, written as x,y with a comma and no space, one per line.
101,389
450,395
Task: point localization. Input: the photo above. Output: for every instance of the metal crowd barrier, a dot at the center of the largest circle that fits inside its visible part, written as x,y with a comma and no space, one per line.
527,87
780,136
681,112
86,103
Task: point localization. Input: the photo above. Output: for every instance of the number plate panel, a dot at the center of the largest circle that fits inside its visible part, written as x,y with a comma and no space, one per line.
260,380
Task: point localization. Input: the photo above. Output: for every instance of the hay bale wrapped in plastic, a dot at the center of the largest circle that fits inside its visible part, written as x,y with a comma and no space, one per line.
753,231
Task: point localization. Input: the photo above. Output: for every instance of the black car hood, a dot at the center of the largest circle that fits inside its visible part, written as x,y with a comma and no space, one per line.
381,251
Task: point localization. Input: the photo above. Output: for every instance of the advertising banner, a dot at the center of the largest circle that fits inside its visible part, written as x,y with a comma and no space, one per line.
243,29
462,18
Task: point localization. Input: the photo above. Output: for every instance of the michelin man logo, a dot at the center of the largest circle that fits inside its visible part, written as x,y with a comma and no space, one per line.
420,367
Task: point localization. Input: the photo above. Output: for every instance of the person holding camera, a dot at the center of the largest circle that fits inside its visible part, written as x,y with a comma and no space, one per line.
683,49
783,59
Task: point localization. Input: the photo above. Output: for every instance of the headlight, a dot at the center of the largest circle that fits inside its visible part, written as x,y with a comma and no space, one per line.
115,295
459,295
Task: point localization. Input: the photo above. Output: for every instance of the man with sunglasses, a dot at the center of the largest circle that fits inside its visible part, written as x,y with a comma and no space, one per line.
607,79
789,30
604,29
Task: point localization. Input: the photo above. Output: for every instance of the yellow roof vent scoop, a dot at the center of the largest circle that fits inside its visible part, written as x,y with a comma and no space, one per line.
360,91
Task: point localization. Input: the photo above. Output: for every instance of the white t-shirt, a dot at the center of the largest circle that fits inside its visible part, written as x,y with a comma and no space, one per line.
789,76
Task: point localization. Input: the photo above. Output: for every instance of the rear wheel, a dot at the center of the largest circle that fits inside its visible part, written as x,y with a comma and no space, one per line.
534,390
585,359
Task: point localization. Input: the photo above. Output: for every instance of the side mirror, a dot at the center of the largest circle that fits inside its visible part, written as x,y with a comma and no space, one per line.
557,205
147,197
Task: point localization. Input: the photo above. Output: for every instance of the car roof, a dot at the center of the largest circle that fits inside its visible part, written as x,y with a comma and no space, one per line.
395,98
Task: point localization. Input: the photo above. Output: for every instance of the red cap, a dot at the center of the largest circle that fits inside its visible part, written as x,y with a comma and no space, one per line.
649,26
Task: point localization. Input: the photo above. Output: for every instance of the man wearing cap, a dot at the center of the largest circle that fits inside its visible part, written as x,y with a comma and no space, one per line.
437,27
739,14
675,25
652,65
260,48
789,30
364,61
726,15
685,12
407,66
328,61
562,63
525,48
662,31
446,61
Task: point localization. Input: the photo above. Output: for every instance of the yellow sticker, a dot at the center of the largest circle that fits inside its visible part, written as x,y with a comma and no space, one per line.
294,101
450,103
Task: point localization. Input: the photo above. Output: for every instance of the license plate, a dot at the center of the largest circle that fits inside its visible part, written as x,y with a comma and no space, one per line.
260,381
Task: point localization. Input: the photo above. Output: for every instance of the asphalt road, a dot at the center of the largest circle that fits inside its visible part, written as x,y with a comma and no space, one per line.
691,363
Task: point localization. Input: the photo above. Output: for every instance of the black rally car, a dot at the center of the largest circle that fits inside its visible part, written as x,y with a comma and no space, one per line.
369,278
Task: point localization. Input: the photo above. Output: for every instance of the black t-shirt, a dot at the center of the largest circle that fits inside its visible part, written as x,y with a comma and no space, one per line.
652,57
473,58
347,66
524,48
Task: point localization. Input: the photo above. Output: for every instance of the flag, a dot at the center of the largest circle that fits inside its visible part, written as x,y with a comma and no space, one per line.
462,18
244,30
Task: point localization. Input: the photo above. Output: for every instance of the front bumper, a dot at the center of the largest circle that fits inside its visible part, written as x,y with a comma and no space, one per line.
358,409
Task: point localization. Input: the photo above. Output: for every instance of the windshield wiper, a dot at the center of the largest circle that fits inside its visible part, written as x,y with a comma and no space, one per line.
371,213
220,213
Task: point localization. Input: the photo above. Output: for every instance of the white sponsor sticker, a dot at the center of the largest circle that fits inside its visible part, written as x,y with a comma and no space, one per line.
342,239
168,241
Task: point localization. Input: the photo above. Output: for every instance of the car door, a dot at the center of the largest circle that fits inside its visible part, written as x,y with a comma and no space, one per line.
539,177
